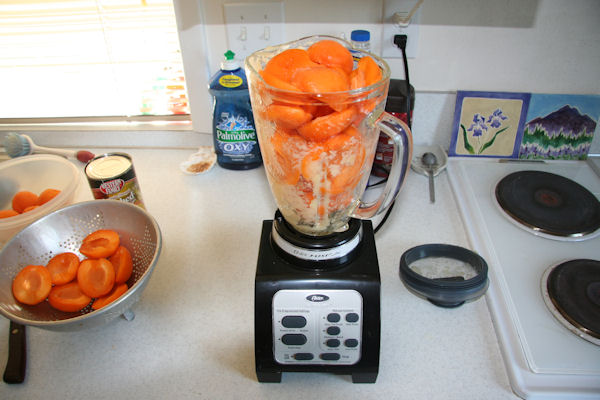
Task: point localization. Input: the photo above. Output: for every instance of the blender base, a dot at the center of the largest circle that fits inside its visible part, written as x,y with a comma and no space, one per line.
317,320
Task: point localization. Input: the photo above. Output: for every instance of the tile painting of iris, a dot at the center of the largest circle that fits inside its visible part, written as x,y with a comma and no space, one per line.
488,124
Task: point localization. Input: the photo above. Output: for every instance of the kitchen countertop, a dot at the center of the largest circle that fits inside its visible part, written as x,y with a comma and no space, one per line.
193,334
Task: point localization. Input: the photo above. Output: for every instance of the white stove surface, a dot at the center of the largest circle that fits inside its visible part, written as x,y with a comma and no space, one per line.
543,358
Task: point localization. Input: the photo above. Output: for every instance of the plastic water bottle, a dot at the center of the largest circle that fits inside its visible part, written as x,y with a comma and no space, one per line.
234,134
361,40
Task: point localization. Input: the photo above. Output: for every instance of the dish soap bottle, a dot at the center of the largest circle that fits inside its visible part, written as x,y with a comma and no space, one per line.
234,134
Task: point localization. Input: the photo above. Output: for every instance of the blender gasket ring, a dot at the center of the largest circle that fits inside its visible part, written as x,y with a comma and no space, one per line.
445,292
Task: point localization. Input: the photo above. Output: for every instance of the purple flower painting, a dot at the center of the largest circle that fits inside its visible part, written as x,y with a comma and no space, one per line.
488,124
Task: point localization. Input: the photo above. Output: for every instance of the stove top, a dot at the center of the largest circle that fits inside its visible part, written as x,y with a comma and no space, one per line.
543,358
549,203
571,292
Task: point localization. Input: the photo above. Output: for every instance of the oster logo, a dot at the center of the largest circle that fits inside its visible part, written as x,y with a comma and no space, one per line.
317,298
113,186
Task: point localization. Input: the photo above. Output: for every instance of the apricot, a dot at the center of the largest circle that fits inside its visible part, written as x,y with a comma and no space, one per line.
23,199
47,195
331,54
8,213
322,128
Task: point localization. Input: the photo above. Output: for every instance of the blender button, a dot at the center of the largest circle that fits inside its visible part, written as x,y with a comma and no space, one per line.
293,339
333,317
303,356
332,343
333,330
352,317
293,321
329,356
351,343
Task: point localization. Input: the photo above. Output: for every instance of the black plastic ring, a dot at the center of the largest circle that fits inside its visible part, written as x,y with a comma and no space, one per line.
445,292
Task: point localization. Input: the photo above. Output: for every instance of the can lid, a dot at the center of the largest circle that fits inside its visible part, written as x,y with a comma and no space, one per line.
360,35
107,166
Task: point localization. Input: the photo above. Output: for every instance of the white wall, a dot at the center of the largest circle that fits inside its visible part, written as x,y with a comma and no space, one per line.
541,46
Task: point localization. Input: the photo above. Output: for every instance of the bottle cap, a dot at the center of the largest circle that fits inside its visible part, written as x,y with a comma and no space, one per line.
360,35
229,64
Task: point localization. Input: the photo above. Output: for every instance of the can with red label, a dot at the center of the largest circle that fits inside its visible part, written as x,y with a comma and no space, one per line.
111,176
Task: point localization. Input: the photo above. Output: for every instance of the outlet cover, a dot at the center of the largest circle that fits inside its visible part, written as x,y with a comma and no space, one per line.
253,26
390,29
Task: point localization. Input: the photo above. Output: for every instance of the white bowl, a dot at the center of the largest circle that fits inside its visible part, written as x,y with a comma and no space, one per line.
35,173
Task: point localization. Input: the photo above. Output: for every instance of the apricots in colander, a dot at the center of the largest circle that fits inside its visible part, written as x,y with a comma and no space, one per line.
68,297
32,285
63,267
111,296
71,285
100,244
96,277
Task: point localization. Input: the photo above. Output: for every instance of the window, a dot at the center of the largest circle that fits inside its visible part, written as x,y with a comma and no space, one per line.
91,60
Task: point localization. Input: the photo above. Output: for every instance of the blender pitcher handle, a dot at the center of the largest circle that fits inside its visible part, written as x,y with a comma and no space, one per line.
400,135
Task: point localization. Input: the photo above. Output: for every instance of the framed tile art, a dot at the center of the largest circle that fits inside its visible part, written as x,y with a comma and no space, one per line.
488,124
560,126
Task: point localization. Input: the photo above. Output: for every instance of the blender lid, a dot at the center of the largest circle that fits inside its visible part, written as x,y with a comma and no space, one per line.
446,275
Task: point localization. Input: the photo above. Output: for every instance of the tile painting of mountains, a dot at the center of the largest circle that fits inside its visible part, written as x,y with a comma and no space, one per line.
560,126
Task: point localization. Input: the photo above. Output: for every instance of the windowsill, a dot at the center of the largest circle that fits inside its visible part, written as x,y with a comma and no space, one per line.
138,123
158,126
89,138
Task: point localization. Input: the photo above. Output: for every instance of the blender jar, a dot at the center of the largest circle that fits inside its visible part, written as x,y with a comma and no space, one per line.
318,146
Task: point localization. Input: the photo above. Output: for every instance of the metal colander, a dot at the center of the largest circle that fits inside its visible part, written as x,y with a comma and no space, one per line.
64,230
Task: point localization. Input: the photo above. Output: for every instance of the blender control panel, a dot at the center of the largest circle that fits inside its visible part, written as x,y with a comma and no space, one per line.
317,326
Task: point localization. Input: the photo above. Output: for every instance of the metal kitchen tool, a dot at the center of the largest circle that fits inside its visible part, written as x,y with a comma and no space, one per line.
419,166
429,161
63,230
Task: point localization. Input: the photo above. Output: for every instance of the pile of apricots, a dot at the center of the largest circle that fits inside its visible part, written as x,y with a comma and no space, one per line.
24,201
70,284
317,145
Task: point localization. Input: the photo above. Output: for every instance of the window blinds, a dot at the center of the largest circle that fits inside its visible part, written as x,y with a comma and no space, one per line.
86,58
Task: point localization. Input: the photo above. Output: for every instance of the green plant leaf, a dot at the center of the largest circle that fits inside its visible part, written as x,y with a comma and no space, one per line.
491,142
467,145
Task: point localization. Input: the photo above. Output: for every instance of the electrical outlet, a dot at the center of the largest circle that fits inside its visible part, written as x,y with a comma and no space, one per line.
392,28
253,26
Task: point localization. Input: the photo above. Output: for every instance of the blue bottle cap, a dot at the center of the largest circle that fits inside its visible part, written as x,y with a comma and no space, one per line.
360,35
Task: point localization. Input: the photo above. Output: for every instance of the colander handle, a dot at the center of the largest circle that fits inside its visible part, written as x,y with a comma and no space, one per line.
17,354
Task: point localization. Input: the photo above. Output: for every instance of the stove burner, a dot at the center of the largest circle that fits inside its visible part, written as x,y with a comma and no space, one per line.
549,203
572,293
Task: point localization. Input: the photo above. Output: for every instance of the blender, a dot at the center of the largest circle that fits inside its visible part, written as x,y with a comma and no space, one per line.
317,284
